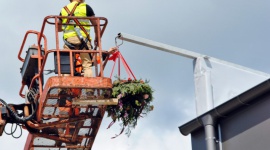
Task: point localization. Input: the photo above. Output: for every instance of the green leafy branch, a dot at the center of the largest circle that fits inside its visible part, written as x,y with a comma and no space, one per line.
134,97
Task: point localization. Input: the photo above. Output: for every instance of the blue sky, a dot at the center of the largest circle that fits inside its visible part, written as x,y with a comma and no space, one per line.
236,31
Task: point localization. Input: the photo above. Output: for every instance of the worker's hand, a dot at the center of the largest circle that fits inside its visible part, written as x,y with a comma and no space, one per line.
113,49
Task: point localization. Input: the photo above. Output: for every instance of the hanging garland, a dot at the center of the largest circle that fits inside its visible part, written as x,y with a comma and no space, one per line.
134,97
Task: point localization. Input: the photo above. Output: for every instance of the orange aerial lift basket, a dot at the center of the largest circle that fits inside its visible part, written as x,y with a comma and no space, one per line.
60,112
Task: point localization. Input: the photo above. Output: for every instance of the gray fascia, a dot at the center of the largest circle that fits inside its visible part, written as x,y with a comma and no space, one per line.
243,99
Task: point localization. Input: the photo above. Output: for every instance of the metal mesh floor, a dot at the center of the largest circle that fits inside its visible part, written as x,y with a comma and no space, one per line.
78,132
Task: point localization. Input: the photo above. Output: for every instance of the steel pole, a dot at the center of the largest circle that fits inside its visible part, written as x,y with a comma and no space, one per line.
159,46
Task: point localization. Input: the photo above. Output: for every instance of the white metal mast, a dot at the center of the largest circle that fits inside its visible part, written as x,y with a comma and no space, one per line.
216,81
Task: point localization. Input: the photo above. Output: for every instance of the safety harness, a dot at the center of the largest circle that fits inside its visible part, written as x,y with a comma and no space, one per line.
77,30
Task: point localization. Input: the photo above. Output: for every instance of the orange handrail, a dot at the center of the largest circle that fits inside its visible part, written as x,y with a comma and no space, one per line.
53,20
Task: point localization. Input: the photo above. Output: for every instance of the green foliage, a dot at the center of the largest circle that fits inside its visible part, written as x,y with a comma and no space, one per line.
134,97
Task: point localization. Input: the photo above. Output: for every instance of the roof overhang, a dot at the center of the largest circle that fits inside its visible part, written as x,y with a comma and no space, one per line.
246,98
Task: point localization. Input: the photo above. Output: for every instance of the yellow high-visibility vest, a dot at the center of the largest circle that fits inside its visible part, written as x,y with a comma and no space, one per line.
80,11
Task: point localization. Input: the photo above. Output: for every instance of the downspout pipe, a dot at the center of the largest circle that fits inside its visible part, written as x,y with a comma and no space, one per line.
209,128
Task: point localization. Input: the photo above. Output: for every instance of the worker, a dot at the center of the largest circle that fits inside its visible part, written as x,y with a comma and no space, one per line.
78,37
70,35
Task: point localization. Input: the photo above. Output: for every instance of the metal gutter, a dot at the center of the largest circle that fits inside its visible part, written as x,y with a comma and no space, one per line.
223,110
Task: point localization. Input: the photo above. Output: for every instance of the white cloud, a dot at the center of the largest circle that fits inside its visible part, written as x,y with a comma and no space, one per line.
143,137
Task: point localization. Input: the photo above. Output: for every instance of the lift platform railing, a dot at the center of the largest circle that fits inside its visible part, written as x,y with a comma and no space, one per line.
101,24
85,125
38,56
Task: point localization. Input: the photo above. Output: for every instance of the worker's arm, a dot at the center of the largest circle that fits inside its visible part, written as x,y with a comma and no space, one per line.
110,51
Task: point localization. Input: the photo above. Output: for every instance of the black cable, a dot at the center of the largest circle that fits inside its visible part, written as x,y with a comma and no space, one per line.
11,130
16,137
15,116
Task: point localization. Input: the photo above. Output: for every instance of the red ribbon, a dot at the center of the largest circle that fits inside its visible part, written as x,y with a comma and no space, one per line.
127,68
114,56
